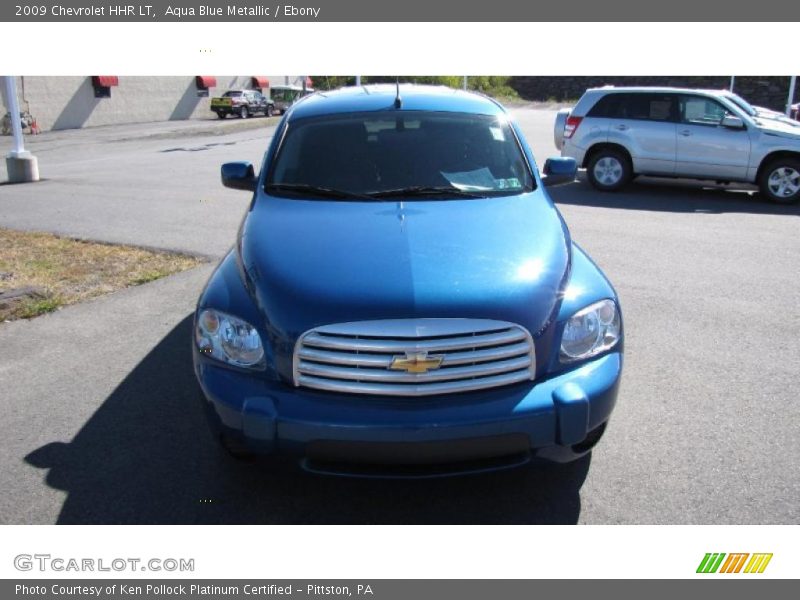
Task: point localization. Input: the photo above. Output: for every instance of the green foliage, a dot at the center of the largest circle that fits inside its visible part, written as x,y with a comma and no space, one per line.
34,308
497,86
149,276
326,82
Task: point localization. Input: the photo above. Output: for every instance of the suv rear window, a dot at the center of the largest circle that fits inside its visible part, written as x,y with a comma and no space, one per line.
231,94
372,153
607,106
649,107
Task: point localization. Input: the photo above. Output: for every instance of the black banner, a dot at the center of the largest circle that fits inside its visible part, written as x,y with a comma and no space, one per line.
396,589
407,11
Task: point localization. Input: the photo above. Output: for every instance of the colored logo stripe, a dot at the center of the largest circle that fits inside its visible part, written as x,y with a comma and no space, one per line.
733,564
758,563
710,562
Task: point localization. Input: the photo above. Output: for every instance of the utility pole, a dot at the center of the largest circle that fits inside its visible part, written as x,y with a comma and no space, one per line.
465,83
358,80
733,79
22,165
790,99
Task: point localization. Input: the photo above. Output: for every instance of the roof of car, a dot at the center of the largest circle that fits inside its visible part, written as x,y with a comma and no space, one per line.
659,90
381,97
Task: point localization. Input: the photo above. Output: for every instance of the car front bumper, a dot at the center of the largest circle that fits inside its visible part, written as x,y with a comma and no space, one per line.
552,418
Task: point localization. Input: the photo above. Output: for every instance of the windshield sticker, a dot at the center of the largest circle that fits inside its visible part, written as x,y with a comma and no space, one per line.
480,179
508,184
498,134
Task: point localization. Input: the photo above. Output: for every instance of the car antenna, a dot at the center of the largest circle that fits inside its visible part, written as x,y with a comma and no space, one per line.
398,101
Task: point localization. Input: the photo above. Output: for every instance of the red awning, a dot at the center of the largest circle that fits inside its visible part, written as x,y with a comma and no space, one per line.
105,81
259,81
205,81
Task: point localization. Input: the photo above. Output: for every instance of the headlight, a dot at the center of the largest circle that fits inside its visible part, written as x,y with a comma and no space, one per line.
590,331
228,339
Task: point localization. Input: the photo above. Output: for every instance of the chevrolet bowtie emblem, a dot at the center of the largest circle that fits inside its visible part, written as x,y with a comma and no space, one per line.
416,362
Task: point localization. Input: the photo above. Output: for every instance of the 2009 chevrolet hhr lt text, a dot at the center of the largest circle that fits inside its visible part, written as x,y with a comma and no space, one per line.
403,297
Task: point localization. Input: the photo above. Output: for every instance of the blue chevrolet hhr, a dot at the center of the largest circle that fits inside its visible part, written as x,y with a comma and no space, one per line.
403,298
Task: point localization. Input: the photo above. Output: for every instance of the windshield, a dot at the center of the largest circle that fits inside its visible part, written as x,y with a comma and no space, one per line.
403,153
284,94
742,103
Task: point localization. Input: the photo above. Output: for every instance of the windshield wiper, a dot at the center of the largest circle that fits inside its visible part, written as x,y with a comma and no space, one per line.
315,190
422,190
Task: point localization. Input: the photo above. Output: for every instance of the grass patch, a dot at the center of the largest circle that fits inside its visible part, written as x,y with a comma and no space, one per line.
63,271
33,308
149,276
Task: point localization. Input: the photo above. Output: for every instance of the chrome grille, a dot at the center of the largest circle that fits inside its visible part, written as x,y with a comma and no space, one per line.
374,357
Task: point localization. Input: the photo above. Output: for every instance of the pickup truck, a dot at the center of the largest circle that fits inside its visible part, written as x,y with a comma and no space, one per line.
244,103
619,133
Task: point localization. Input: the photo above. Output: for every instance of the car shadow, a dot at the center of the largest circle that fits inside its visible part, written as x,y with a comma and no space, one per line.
679,195
146,456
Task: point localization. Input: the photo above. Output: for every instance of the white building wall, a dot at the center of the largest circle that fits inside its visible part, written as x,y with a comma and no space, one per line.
68,102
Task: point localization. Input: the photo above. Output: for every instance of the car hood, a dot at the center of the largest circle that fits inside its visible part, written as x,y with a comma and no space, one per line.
767,112
779,128
315,262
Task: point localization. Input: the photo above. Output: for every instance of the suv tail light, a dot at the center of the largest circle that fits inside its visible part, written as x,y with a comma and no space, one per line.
571,126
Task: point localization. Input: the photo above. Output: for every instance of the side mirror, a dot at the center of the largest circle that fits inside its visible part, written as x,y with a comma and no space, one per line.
732,122
558,171
239,175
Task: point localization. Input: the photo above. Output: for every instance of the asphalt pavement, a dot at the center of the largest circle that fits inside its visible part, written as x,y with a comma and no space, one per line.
101,422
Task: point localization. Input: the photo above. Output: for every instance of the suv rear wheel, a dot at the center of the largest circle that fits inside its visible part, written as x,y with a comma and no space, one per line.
608,170
780,181
244,113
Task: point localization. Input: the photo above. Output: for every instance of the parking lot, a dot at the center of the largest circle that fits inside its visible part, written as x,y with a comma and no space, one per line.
101,423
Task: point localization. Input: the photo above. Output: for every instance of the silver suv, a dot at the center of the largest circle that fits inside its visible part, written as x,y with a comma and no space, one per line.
618,133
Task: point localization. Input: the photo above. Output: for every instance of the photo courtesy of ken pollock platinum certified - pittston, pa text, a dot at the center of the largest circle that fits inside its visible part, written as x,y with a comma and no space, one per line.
194,589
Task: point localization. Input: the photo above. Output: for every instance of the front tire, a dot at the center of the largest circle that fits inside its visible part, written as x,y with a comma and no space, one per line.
270,110
244,113
609,170
780,181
